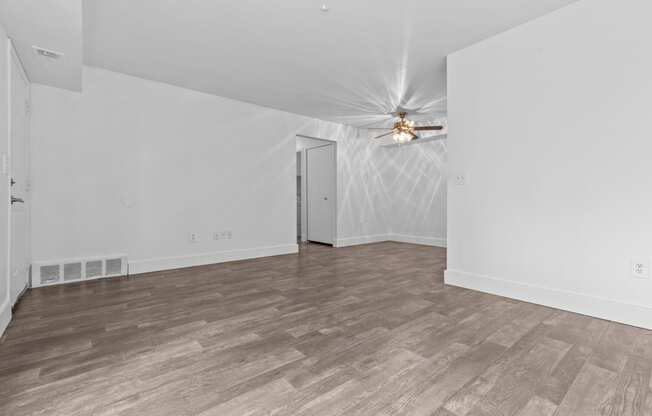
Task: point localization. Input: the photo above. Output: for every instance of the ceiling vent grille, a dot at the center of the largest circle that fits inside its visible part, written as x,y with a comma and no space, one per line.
47,53
77,270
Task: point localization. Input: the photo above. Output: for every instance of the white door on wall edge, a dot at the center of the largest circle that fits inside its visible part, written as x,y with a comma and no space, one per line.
19,177
320,189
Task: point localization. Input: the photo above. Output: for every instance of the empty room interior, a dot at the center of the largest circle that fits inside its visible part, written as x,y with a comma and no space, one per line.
325,207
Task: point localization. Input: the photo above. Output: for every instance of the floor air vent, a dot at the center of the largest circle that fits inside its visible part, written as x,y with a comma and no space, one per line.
113,266
49,274
77,270
94,269
72,271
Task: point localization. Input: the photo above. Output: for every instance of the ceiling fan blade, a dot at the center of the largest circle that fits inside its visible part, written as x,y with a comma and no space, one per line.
383,135
417,128
379,128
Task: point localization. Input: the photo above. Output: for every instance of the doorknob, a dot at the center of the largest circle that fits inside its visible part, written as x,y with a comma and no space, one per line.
14,200
325,198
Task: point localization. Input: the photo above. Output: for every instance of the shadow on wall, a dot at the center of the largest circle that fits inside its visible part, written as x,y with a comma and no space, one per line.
416,179
362,189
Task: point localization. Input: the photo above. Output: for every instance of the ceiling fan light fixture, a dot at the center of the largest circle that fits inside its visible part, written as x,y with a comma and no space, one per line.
405,130
402,137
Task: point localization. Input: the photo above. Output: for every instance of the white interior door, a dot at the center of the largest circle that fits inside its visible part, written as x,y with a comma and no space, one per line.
320,189
18,169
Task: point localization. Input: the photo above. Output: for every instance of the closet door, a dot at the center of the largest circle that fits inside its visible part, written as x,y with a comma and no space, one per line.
320,186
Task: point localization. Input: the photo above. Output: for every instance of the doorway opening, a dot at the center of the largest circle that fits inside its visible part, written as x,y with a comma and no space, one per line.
316,190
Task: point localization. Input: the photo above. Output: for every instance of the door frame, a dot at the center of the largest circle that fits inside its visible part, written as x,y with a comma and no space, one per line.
12,57
304,169
304,201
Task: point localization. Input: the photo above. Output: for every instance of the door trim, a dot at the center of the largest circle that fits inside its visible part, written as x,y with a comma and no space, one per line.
12,57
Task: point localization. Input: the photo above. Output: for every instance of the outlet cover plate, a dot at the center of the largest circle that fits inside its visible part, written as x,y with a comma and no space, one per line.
640,268
461,178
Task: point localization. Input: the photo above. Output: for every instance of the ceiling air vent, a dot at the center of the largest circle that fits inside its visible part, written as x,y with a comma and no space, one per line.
47,53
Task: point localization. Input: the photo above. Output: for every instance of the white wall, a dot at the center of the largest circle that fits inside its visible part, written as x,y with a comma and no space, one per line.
390,193
363,200
133,166
550,123
5,301
415,177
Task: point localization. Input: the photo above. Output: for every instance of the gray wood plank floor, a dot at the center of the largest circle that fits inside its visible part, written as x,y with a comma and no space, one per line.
366,330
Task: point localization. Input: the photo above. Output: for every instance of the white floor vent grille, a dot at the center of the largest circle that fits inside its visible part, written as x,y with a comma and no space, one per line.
93,269
49,274
77,270
72,271
113,266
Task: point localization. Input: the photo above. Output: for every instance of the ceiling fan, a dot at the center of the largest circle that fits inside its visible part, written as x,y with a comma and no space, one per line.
405,130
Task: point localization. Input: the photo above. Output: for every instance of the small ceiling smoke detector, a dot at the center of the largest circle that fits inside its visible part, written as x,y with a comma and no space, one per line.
324,8
47,53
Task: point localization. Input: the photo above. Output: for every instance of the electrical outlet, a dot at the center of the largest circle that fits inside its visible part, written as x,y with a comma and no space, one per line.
222,235
640,268
194,237
461,179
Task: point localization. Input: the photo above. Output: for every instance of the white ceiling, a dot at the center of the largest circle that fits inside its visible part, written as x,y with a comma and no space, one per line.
351,64
50,24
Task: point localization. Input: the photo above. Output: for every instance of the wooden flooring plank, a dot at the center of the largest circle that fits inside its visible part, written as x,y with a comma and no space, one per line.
590,393
365,330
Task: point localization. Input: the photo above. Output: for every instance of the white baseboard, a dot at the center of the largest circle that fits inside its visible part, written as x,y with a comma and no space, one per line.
399,238
609,309
177,262
169,263
5,315
355,241
416,239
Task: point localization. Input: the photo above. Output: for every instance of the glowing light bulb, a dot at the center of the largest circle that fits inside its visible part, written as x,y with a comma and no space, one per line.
402,137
